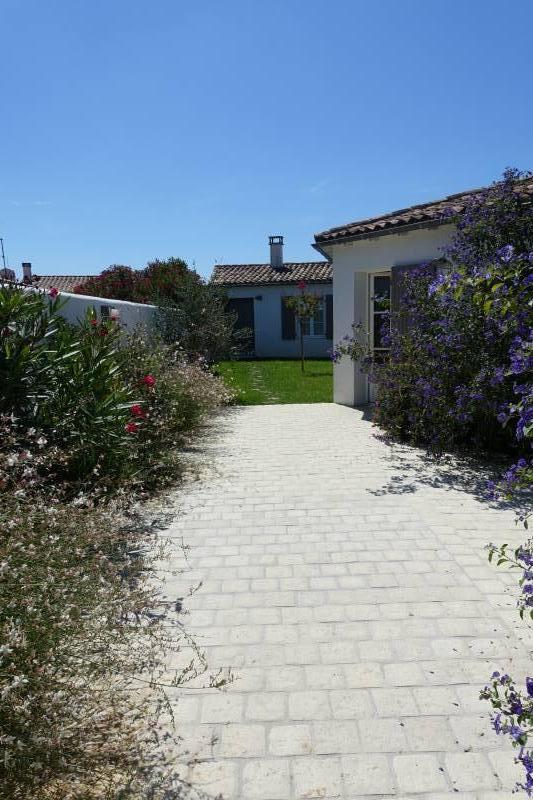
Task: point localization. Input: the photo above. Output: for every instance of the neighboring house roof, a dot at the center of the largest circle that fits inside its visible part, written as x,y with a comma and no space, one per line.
65,283
265,274
432,213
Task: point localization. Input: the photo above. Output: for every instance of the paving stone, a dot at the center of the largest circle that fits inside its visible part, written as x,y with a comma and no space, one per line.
290,740
504,766
241,741
222,707
367,774
382,736
309,705
397,702
215,777
363,675
470,772
266,706
285,678
350,703
316,778
266,780
351,598
429,734
337,736
403,673
419,773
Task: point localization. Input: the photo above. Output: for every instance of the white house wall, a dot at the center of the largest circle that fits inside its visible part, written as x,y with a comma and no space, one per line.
267,316
352,263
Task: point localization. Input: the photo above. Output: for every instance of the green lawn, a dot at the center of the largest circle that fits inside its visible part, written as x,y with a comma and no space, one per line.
271,381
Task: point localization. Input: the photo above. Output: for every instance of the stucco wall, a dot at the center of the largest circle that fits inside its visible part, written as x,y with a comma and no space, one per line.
267,313
352,263
131,315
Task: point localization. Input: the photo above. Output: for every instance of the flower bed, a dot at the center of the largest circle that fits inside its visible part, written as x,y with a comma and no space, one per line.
87,427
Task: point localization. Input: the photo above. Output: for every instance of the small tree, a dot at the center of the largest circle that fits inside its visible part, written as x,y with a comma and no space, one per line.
304,306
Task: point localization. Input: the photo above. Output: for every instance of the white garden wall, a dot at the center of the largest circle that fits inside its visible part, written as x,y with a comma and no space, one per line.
130,315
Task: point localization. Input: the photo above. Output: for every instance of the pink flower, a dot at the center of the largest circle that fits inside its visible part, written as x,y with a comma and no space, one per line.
137,410
94,323
148,380
53,292
131,427
302,285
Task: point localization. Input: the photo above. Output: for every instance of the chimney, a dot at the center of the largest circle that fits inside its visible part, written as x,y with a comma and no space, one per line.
276,251
26,271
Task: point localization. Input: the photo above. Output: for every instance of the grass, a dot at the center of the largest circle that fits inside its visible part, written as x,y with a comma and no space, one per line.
272,381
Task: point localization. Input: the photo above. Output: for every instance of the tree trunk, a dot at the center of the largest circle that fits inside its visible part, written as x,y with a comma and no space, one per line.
301,346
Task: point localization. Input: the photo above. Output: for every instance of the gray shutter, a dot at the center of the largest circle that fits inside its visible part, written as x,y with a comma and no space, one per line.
328,307
399,317
288,321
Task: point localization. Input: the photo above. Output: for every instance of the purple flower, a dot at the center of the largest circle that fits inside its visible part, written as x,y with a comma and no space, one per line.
516,732
529,686
497,723
506,252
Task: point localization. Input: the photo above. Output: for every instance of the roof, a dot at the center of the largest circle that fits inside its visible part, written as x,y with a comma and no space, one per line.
432,213
265,274
65,283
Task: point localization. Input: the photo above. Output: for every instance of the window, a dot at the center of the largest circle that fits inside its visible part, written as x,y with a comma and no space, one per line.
315,325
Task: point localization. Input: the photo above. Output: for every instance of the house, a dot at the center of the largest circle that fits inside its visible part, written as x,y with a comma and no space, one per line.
368,258
65,283
256,294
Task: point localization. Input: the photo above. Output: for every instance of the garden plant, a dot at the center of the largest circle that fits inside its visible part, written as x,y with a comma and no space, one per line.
459,377
192,312
91,422
304,306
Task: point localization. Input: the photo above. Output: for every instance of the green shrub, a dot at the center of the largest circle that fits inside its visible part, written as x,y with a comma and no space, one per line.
85,415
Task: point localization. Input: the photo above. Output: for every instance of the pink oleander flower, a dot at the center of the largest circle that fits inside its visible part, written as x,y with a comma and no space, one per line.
53,292
131,427
148,380
137,410
302,285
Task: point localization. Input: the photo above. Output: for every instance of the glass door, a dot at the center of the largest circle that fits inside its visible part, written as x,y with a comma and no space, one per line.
379,320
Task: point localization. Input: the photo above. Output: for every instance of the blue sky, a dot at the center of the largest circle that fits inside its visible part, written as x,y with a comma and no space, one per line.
132,129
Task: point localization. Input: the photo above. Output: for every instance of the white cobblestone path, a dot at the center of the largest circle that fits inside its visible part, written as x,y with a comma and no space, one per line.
346,585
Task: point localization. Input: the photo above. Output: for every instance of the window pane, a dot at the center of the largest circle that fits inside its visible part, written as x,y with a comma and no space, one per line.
381,326
381,356
318,321
304,323
382,292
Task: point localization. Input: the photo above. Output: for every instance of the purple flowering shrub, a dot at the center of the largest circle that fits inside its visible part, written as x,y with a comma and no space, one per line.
460,375
513,716
445,381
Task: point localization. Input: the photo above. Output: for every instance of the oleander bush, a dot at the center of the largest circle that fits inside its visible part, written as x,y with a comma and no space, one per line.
90,422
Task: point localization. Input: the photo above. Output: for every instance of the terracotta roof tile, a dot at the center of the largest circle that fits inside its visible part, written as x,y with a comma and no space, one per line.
264,274
65,283
429,213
